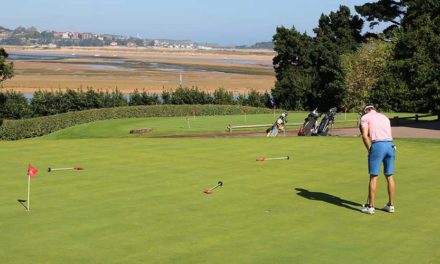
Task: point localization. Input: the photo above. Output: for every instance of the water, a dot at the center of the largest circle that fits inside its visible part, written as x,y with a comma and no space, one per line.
53,56
46,56
106,67
127,65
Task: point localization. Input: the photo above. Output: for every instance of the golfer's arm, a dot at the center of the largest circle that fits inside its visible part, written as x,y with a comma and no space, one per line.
365,138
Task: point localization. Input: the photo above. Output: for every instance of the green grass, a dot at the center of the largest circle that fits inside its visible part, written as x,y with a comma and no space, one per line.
161,126
140,200
173,126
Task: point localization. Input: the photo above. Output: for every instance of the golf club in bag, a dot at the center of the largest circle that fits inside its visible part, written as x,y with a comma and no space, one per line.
309,126
326,122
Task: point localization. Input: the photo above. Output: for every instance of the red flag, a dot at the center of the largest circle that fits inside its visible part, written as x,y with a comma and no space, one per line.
32,171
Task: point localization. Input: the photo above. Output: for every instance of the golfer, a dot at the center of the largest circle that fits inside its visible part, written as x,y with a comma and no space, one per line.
377,138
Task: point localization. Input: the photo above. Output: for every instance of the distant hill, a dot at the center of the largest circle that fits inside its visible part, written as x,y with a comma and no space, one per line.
32,36
2,29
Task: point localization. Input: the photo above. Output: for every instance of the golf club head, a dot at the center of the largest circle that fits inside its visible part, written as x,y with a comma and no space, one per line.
220,183
49,169
288,157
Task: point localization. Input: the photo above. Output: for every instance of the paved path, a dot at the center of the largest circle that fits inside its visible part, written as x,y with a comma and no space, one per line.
415,130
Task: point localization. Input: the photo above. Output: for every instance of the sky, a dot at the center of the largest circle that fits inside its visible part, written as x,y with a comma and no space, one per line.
224,22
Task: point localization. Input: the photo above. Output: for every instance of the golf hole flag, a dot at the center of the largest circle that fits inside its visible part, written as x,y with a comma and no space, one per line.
32,171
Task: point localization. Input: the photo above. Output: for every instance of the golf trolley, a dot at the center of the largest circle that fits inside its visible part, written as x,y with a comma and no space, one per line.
279,125
309,128
326,123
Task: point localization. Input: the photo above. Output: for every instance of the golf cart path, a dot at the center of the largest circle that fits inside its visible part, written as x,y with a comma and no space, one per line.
414,130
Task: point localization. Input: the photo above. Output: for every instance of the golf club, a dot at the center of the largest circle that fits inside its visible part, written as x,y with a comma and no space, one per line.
262,158
368,201
60,169
209,191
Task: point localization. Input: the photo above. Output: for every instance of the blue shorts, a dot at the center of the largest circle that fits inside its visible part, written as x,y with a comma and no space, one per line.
381,152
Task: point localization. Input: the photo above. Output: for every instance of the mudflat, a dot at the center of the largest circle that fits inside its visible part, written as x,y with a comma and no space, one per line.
127,69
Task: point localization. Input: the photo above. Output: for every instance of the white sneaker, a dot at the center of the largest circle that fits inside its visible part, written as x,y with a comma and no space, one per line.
367,209
389,208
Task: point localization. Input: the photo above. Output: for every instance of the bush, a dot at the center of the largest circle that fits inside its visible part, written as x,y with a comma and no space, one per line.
14,105
221,96
39,126
143,98
190,96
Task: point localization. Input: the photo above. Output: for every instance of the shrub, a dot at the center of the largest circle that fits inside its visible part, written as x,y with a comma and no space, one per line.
14,105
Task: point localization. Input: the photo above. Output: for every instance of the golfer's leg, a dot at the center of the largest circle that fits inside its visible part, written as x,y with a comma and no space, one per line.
372,190
391,189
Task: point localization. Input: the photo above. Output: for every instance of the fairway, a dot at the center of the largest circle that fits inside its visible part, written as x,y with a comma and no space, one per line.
141,200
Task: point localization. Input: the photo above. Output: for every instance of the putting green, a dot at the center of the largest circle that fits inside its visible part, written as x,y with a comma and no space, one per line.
170,126
141,200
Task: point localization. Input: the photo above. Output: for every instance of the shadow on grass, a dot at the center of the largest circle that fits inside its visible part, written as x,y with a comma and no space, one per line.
328,198
22,202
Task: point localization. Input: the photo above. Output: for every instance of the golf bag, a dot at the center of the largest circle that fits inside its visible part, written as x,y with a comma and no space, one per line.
279,125
309,126
326,122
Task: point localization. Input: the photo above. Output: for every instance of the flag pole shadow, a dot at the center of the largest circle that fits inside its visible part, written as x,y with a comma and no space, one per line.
22,202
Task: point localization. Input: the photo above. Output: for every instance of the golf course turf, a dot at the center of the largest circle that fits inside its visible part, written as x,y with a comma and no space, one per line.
142,200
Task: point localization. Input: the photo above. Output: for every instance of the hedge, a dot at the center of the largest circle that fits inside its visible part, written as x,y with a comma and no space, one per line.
39,126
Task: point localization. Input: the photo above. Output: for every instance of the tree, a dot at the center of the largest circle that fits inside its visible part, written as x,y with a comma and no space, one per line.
222,96
363,70
308,70
14,105
415,66
337,34
383,11
293,67
6,68
418,55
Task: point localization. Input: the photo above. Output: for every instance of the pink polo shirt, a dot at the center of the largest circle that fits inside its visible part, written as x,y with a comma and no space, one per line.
379,128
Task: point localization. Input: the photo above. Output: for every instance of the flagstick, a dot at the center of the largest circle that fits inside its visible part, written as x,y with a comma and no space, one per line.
29,193
187,120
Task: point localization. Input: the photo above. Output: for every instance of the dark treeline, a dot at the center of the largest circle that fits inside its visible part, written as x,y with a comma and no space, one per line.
398,69
14,105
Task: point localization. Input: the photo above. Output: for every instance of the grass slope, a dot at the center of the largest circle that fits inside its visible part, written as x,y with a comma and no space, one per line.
141,201
173,126
120,128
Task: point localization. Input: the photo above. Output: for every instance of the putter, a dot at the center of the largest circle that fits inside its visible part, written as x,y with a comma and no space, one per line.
60,169
368,201
209,191
262,158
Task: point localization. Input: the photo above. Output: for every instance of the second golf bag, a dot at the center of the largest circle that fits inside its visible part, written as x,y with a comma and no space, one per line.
279,125
309,126
326,122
